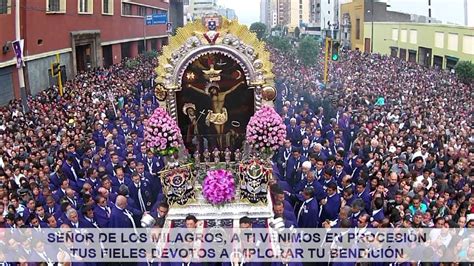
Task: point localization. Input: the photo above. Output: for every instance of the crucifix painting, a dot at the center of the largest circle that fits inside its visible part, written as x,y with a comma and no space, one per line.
216,104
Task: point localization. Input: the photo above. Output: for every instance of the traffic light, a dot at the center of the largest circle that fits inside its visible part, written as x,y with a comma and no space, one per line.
55,69
335,51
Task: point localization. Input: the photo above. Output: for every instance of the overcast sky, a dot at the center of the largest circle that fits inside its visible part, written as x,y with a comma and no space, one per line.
452,11
448,11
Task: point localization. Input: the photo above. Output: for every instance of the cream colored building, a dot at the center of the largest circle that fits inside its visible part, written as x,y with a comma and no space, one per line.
289,13
197,8
427,44
299,13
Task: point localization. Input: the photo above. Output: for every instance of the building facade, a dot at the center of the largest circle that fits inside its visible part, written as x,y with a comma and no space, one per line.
288,14
194,9
427,44
176,13
352,24
354,14
228,13
299,14
197,8
265,11
84,33
269,13
329,20
283,10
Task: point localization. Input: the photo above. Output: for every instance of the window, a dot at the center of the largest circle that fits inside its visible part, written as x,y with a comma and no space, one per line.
468,44
452,41
5,6
126,9
451,62
56,6
403,35
142,11
85,6
411,56
53,5
394,34
413,36
393,51
439,40
108,7
403,54
358,29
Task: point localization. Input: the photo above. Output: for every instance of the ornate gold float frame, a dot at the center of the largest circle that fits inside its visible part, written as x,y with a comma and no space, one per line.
231,39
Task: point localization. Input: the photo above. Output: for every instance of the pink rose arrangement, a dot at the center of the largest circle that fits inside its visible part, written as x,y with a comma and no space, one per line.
162,134
218,186
266,130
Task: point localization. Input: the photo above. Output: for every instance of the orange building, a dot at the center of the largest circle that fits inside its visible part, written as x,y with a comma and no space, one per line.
85,33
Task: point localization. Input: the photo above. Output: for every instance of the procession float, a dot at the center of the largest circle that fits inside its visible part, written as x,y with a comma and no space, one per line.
216,125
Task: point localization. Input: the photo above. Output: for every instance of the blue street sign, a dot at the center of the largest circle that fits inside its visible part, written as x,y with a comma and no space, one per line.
156,19
149,20
160,18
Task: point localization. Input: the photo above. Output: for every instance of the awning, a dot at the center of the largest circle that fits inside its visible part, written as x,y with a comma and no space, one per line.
451,58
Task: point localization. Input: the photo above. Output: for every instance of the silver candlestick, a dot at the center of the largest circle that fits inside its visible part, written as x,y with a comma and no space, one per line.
216,153
238,156
227,156
197,157
207,157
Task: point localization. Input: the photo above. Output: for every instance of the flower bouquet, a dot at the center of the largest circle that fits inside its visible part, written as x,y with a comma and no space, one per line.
218,187
162,134
266,131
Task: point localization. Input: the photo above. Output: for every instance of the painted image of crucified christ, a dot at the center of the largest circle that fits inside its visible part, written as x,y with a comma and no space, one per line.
216,85
218,115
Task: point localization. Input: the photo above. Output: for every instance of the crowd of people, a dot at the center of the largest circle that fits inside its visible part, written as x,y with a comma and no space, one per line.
387,143
80,160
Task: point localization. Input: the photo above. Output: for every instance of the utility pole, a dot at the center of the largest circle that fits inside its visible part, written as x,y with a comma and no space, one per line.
429,11
21,76
372,29
144,33
466,12
326,59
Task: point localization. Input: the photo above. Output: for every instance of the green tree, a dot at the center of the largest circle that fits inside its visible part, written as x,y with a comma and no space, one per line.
465,71
148,55
308,51
259,28
132,63
281,43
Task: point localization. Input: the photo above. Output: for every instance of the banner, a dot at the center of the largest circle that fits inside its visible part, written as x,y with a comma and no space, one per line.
254,176
18,48
178,184
237,245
